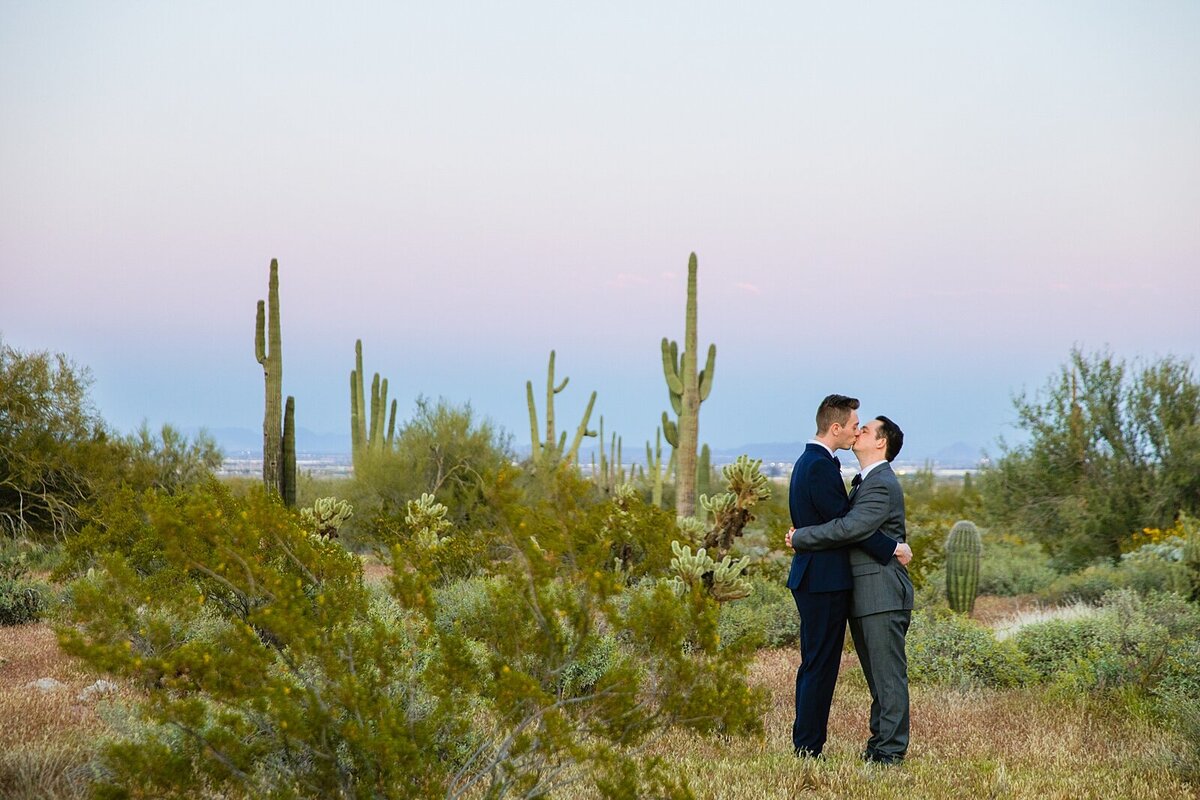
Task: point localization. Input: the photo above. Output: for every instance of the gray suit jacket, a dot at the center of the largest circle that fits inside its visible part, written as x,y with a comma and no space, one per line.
877,504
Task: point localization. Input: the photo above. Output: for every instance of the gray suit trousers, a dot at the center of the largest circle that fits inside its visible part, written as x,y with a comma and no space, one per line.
879,642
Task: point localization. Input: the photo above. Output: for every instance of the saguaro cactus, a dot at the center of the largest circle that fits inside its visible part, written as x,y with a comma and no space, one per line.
287,477
654,465
688,389
552,448
268,349
364,440
964,547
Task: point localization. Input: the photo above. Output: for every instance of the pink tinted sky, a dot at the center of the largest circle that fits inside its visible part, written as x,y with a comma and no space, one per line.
923,204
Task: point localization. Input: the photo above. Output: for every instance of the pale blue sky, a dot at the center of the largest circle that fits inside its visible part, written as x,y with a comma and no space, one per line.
959,191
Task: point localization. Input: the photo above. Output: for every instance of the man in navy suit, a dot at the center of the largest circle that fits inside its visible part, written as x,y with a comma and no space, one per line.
820,580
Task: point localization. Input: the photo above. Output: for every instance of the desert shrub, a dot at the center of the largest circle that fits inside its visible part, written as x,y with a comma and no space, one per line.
1142,642
1010,567
271,670
1058,644
944,647
928,542
767,616
1087,585
444,450
21,600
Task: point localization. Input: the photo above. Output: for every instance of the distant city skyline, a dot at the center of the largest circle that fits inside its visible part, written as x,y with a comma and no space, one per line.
923,205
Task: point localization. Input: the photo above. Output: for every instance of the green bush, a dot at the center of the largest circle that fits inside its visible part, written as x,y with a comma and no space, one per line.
1147,643
1011,567
767,616
944,647
21,600
1087,585
270,670
1056,645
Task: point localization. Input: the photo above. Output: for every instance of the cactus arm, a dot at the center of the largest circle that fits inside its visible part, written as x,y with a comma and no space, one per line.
260,344
360,408
374,434
355,444
536,440
391,434
582,430
868,514
706,374
670,431
671,367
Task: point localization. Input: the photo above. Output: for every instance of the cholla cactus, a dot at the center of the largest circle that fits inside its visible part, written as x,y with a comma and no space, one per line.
327,516
624,493
692,528
427,519
731,509
723,581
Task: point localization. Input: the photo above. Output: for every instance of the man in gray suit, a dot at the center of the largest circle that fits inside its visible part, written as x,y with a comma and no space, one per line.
882,599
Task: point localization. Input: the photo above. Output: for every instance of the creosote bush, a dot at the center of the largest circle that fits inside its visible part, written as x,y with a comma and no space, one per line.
944,647
271,670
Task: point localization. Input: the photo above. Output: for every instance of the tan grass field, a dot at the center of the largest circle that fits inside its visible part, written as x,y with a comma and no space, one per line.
986,744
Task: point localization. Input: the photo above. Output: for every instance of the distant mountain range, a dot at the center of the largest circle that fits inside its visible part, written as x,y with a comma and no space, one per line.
244,442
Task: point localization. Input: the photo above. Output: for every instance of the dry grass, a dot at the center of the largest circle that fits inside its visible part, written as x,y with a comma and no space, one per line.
1010,744
988,744
45,739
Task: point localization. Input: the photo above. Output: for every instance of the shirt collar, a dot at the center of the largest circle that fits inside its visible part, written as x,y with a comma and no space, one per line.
867,471
818,441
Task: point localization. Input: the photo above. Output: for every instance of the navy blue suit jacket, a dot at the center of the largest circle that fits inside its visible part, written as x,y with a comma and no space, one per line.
818,495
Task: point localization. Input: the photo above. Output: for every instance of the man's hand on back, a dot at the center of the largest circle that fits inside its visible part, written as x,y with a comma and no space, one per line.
903,553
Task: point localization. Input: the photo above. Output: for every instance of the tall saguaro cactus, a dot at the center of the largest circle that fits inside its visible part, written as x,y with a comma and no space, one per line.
268,349
964,548
654,465
372,439
550,450
688,388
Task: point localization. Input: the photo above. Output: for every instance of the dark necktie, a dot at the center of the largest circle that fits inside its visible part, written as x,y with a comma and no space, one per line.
857,480
837,463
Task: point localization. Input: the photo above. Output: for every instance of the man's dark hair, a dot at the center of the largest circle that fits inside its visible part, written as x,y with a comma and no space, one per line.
895,437
834,408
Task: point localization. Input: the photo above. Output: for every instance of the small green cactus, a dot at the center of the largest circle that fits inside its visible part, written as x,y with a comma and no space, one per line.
731,509
723,580
327,516
964,548
426,517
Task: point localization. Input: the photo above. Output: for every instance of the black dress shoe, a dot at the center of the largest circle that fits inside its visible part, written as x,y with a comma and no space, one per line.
882,760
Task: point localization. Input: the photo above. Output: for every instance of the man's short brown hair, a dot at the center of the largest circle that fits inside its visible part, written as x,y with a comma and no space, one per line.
834,408
891,432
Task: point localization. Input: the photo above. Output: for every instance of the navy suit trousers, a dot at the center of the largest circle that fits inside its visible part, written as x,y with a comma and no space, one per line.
822,632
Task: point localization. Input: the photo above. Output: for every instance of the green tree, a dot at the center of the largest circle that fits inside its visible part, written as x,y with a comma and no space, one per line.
444,450
53,445
1113,448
